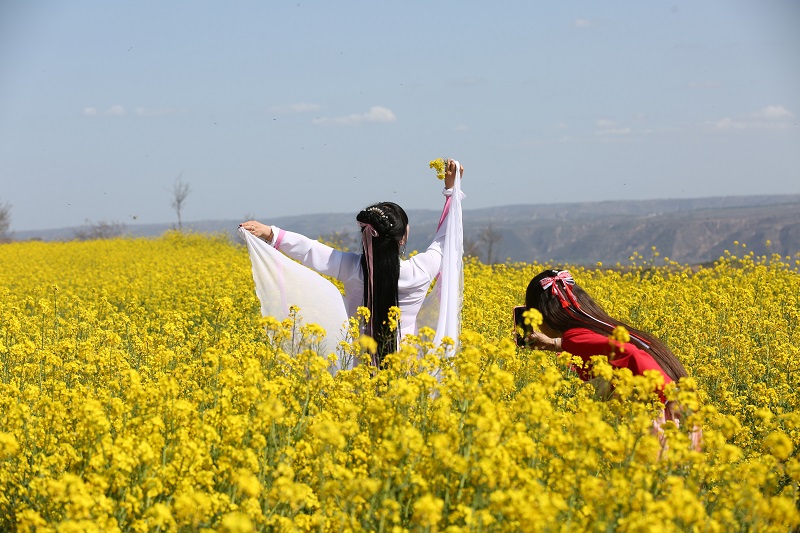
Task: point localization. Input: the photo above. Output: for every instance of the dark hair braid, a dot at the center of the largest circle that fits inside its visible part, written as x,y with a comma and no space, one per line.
389,221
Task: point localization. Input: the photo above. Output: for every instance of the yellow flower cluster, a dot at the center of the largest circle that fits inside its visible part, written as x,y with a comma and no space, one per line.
141,390
440,165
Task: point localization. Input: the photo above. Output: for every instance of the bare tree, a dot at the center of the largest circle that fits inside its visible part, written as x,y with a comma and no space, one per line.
99,230
179,193
5,222
489,237
472,248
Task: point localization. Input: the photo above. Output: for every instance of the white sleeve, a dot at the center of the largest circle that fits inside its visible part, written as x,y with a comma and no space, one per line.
315,255
442,306
428,264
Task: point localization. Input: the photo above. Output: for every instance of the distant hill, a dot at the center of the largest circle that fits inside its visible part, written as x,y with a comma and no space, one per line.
689,231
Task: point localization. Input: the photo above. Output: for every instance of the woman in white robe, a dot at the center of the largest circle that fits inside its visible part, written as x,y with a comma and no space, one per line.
393,281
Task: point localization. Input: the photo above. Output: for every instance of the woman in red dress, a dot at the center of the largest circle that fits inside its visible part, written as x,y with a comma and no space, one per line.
575,323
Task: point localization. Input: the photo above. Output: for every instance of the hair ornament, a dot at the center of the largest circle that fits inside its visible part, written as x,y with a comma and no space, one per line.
378,211
564,294
368,229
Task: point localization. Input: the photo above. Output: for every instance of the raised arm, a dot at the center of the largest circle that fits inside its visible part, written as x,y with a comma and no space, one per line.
430,261
450,174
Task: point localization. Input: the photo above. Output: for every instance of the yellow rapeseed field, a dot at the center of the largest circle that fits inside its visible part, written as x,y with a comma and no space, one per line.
141,390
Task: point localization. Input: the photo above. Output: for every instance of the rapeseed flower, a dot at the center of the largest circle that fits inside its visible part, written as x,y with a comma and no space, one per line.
440,165
137,393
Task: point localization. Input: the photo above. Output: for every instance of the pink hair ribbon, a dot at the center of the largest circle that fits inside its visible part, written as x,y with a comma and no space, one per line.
367,233
566,282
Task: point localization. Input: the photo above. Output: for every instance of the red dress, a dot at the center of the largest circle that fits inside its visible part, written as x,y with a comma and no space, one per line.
585,343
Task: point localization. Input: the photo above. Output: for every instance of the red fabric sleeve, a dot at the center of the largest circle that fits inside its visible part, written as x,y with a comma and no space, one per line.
585,343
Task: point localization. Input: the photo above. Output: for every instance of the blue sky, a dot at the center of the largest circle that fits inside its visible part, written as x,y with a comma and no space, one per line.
279,108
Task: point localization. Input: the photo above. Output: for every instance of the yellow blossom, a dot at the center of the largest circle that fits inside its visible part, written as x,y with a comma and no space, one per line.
145,392
440,165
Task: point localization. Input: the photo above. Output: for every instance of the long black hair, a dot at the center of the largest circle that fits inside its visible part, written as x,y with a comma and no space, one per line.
383,227
560,313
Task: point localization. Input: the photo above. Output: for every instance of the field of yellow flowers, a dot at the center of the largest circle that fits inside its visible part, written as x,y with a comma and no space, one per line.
141,390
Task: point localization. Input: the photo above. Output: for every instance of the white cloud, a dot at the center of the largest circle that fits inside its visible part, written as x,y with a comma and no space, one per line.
583,23
154,111
380,114
727,124
113,111
120,111
773,117
773,112
608,127
375,114
116,111
614,131
299,107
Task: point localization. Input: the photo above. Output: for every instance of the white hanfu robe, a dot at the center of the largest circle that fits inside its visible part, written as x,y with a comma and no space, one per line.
281,282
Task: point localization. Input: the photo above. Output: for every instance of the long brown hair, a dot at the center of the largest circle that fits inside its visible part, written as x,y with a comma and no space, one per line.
562,311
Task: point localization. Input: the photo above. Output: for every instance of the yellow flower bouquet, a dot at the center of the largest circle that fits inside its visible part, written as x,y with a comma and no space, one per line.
440,165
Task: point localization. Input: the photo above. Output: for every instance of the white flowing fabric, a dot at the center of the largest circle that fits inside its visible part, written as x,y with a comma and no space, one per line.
281,282
441,309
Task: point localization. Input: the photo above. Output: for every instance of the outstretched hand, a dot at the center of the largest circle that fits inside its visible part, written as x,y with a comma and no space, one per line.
450,174
259,230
